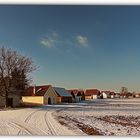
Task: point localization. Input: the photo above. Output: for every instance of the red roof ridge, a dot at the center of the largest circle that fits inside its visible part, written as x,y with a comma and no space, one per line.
89,92
39,90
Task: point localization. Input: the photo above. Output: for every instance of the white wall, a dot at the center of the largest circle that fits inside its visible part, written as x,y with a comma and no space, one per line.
52,94
77,98
94,96
104,95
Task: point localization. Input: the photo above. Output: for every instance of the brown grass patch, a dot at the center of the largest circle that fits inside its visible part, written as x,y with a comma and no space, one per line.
85,128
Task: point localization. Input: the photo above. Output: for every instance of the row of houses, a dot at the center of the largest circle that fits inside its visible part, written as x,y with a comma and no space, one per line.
55,95
47,94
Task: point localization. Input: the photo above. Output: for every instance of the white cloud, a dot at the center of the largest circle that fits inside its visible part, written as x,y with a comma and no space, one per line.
82,40
53,39
50,40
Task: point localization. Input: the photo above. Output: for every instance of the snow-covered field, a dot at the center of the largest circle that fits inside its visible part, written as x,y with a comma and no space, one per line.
97,117
103,117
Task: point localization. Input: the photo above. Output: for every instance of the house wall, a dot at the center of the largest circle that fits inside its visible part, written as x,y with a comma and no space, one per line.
94,96
59,99
117,96
66,99
2,101
33,99
130,97
122,96
112,96
137,95
77,98
16,100
88,97
104,95
50,94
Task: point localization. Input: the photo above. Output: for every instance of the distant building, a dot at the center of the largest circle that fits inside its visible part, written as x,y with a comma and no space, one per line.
117,95
63,95
40,95
92,94
107,94
46,94
112,94
137,95
76,94
14,100
126,95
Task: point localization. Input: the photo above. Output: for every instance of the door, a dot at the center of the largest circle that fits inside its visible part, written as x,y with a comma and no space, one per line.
10,102
49,100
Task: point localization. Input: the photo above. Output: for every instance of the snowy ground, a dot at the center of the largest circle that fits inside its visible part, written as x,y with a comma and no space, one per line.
31,121
103,117
98,117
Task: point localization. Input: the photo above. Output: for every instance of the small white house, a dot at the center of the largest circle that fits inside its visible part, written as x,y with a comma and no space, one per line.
92,94
76,94
117,95
104,95
112,94
122,95
107,94
136,95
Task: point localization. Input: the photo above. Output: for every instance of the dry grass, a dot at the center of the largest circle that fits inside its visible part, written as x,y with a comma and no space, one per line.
122,120
85,128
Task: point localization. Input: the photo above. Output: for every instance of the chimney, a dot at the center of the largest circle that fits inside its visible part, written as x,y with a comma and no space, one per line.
34,89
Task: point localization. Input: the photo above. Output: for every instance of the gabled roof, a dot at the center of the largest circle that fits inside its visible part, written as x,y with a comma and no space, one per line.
108,92
62,92
123,94
39,90
112,93
137,94
92,92
75,91
105,91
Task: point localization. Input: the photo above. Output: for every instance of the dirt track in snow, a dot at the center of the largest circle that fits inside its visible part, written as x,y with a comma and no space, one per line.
31,121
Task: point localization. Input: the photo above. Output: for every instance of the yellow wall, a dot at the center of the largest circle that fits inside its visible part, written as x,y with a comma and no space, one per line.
32,99
87,97
59,99
41,99
94,96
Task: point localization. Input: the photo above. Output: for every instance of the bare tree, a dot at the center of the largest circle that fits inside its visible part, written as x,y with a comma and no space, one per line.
13,69
124,90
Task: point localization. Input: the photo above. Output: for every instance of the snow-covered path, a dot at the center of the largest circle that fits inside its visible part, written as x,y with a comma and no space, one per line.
31,121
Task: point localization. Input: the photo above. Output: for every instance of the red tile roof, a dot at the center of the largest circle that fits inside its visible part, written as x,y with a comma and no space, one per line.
108,92
123,94
92,92
39,90
75,91
112,93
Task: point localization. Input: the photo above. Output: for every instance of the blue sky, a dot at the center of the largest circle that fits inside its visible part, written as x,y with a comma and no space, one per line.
77,46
